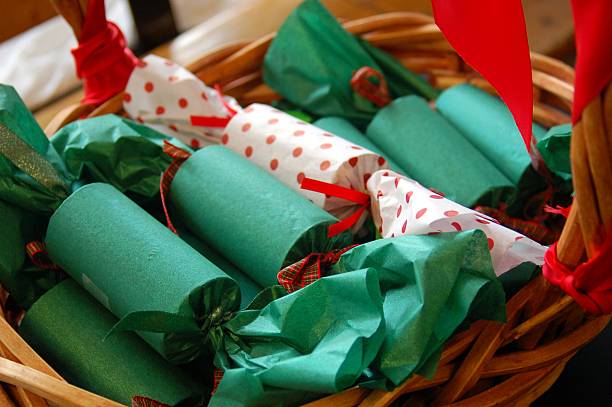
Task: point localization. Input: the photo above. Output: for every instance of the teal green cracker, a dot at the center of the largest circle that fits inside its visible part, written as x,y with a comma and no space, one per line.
132,263
433,152
67,326
247,215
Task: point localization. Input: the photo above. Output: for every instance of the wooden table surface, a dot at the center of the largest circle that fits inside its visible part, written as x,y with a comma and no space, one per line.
549,26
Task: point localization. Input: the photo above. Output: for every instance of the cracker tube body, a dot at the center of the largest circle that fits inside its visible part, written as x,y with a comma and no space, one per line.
432,151
292,149
67,326
131,263
248,216
486,122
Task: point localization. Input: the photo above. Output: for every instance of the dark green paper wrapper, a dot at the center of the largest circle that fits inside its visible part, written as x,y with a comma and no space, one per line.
433,152
25,282
114,150
430,285
67,327
486,122
32,175
247,215
343,128
555,150
312,59
140,271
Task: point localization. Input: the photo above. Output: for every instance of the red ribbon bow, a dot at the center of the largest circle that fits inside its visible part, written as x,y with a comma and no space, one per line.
102,58
590,283
337,191
309,269
179,156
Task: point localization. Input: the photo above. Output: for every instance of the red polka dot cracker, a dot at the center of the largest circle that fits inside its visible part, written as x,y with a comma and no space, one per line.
301,148
406,207
165,96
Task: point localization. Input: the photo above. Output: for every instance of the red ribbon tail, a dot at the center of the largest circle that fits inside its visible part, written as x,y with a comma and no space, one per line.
209,121
338,191
345,223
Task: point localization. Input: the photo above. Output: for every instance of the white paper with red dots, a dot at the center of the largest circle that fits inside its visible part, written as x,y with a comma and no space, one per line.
292,149
402,206
165,95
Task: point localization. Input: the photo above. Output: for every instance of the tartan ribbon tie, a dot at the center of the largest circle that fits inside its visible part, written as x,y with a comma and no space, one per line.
142,401
351,195
534,229
371,84
37,252
217,377
309,269
179,156
214,121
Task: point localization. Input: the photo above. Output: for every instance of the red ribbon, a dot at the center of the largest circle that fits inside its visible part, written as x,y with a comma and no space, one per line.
337,191
102,58
491,37
179,156
214,121
309,269
593,55
363,84
590,283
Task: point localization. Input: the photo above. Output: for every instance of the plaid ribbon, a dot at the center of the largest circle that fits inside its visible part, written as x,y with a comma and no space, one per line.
371,84
308,270
179,156
217,377
351,195
142,401
37,252
214,121
533,229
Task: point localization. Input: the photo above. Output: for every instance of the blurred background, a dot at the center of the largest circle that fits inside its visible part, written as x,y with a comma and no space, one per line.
35,51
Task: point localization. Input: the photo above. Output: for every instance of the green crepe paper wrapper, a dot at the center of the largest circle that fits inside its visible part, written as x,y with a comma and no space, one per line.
32,175
140,271
344,129
247,215
23,281
432,151
312,59
430,285
67,326
486,122
114,150
315,341
555,150
248,288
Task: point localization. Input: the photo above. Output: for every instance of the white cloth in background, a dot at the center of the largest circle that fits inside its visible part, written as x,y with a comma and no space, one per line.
248,20
38,62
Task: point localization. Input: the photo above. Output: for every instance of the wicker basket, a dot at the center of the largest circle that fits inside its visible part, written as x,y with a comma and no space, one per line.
488,364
